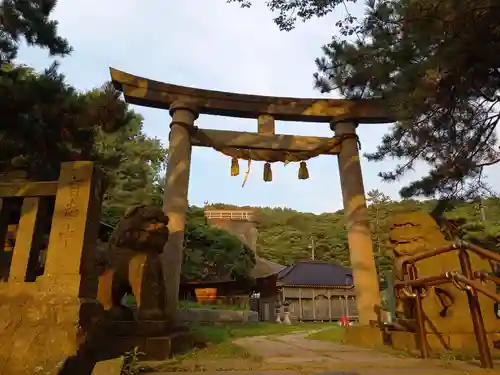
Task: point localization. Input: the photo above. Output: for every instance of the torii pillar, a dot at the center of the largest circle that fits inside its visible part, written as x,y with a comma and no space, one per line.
359,238
175,201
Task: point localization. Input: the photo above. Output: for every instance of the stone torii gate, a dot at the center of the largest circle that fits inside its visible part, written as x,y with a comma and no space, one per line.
343,116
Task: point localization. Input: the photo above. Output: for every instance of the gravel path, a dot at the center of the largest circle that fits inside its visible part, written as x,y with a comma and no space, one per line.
294,354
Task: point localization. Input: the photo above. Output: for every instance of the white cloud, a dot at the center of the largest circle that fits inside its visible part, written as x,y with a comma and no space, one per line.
211,44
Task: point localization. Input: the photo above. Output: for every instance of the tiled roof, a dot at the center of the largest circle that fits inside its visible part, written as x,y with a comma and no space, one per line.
315,273
264,268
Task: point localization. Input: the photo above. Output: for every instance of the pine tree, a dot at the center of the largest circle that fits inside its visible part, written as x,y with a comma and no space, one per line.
436,63
29,19
45,121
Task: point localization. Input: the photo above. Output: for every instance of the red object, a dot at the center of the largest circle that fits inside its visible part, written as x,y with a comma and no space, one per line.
344,321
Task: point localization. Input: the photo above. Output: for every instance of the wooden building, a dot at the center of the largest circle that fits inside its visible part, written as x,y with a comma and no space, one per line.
231,292
314,290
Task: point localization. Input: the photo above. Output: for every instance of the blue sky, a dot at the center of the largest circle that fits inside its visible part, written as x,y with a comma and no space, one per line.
217,46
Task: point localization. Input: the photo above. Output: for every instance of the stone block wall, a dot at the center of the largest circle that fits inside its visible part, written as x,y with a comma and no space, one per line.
212,316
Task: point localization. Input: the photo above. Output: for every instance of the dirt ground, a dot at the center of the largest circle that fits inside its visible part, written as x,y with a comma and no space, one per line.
295,354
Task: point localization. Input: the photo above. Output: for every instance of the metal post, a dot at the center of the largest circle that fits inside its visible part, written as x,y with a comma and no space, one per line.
475,312
312,248
424,349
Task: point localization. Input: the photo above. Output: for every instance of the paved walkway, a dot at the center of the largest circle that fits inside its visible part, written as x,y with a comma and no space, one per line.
294,354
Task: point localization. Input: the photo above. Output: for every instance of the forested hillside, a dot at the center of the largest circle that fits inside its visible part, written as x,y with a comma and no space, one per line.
286,236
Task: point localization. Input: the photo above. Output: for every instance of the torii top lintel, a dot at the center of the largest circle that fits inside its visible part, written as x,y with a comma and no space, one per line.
150,93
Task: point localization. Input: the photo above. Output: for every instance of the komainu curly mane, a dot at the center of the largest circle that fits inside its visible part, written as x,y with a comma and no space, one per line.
143,229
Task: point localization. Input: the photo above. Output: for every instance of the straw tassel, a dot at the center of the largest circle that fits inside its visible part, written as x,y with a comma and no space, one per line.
235,167
268,173
247,172
303,172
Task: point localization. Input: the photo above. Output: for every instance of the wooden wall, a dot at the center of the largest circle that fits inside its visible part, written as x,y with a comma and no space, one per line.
312,304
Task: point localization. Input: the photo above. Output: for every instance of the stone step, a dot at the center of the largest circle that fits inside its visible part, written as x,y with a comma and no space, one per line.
142,328
160,348
157,348
150,348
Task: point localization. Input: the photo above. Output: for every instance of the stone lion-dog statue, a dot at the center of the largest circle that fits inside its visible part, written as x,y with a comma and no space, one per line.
131,263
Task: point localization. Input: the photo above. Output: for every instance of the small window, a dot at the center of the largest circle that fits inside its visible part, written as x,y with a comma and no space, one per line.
348,279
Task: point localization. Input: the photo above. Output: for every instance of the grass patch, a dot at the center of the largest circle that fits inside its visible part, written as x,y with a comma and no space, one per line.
219,340
219,348
210,306
334,334
214,334
214,351
269,329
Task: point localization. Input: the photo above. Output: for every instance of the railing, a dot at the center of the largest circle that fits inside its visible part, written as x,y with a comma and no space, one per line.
230,215
43,224
415,287
23,249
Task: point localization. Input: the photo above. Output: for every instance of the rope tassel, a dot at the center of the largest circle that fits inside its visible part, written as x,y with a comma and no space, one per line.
247,172
235,167
268,173
303,172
